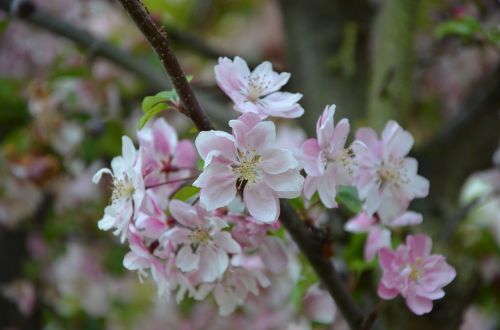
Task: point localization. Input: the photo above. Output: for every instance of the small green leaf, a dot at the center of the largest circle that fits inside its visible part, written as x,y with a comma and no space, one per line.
186,193
152,105
464,27
347,197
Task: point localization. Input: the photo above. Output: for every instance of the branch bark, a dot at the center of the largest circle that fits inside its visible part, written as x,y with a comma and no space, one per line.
305,240
310,246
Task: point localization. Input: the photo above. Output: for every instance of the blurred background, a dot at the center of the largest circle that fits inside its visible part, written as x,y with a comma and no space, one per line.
73,74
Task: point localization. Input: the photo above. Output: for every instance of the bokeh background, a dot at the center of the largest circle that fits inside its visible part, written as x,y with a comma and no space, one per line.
73,74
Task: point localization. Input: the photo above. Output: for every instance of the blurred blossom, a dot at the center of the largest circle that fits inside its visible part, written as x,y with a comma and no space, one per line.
22,293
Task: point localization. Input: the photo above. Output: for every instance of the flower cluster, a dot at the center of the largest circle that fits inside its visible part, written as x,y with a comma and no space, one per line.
221,238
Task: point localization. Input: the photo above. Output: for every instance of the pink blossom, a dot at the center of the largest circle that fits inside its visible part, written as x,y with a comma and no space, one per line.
128,189
414,273
378,229
318,305
257,91
203,246
165,160
21,292
247,161
386,179
327,163
233,288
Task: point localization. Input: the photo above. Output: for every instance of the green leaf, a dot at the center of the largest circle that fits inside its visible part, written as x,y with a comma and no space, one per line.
465,27
152,105
347,197
307,279
186,193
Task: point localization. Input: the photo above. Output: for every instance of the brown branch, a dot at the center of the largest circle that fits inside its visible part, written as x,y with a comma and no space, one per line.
311,248
157,37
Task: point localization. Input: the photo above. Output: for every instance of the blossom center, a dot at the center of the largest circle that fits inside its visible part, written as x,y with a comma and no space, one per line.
247,168
416,273
122,189
199,236
256,86
393,172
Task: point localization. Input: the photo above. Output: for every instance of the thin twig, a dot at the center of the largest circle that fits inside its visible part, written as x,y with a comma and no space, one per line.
157,37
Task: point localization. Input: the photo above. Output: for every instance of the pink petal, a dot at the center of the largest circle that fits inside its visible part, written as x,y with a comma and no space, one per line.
217,193
377,238
419,245
409,218
186,260
164,137
386,293
273,254
360,224
226,242
261,202
209,141
276,161
397,141
185,155
260,137
325,126
340,136
184,213
311,157
214,262
419,305
289,181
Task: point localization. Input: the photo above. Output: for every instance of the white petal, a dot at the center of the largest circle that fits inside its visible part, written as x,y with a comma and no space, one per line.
186,260
261,202
226,242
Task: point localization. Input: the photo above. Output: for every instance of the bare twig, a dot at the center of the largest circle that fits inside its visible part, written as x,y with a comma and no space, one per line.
157,37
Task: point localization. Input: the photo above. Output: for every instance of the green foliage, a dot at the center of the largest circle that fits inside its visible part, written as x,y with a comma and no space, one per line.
348,199
353,255
307,278
105,145
186,193
14,112
466,27
153,105
113,259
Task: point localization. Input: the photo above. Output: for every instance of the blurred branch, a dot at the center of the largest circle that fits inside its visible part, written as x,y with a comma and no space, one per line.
331,66
310,246
29,12
393,60
466,145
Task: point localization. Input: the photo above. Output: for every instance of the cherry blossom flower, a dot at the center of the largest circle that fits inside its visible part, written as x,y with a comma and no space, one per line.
203,246
232,289
378,229
247,161
327,163
386,179
128,189
165,160
414,273
257,91
318,305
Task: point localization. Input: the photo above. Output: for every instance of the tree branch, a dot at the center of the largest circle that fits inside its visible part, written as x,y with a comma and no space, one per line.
311,248
157,37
